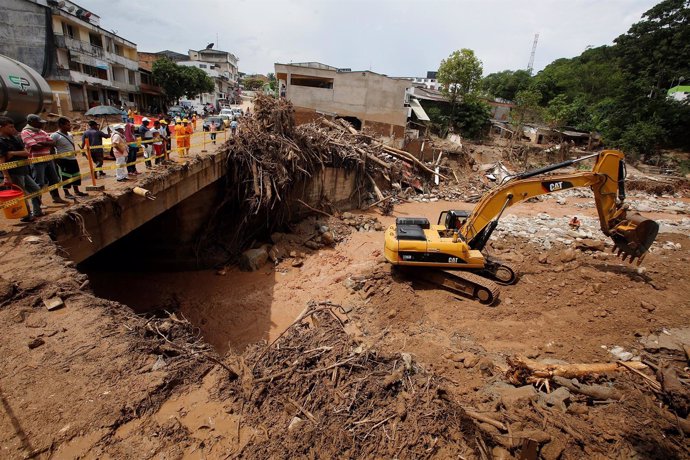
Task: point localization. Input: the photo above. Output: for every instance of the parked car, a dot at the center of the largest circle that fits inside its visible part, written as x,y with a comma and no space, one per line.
226,119
175,111
226,111
220,124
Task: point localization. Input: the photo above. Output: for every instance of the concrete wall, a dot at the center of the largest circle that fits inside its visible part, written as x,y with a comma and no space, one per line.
365,95
23,33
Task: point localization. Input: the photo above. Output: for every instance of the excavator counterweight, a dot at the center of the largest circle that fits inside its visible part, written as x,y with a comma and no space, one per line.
457,240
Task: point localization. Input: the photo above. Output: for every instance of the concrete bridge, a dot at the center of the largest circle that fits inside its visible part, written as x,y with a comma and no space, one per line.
186,194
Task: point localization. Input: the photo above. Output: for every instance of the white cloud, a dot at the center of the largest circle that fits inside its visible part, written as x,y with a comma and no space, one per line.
396,37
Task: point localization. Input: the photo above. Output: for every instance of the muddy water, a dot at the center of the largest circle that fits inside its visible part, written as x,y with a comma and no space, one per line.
241,308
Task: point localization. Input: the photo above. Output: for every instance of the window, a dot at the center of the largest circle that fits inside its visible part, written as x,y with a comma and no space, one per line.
94,95
95,40
67,30
132,78
95,72
313,82
202,66
118,50
131,97
74,66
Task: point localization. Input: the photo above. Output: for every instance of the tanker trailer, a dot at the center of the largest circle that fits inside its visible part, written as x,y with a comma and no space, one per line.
22,91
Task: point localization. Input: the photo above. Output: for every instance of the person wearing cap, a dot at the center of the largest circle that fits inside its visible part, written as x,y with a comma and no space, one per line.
12,149
95,137
120,150
69,166
181,137
39,144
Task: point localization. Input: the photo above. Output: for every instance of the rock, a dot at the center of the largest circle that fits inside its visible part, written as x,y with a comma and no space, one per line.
296,423
620,354
647,306
347,216
297,262
276,253
277,237
553,449
312,244
392,313
323,229
590,245
499,453
327,238
512,396
293,254
568,255
36,240
253,259
378,227
470,360
596,287
159,364
544,259
7,289
35,343
558,398
53,303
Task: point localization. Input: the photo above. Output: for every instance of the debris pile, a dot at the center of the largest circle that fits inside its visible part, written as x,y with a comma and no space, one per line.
316,392
271,159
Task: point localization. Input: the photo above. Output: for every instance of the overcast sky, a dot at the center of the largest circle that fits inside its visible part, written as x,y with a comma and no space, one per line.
394,37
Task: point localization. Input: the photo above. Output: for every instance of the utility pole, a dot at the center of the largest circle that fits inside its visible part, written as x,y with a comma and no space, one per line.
530,66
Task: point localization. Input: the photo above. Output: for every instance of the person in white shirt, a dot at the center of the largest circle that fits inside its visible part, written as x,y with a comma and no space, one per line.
120,150
69,166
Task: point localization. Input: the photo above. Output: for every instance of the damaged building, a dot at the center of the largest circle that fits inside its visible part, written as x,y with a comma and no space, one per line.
364,98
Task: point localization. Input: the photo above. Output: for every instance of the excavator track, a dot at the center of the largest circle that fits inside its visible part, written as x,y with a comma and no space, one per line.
499,271
462,283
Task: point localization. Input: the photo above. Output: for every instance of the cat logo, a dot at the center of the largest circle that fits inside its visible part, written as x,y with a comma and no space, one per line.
20,82
554,186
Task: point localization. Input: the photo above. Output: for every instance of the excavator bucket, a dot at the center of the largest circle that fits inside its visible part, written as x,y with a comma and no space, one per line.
633,236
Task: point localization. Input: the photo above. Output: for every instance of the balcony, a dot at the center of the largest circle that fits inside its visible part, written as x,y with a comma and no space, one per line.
59,74
122,86
72,44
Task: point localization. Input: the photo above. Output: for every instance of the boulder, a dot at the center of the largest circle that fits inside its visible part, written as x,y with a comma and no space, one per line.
327,238
568,255
518,396
588,244
253,259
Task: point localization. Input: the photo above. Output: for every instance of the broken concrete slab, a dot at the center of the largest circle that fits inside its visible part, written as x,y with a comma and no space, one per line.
517,396
53,303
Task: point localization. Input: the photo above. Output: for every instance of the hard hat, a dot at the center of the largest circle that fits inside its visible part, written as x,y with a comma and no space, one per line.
144,119
185,121
178,120
163,122
118,127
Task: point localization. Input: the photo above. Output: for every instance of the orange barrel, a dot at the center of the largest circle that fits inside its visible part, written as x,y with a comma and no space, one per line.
18,210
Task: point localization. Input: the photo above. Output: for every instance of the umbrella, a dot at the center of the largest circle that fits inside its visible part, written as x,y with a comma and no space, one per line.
103,110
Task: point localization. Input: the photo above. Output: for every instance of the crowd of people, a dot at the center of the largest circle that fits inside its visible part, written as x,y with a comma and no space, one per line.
33,142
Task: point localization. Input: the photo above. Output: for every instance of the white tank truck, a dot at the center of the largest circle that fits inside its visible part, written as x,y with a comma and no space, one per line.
22,91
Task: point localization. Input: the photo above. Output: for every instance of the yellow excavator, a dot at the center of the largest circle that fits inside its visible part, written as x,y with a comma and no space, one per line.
449,254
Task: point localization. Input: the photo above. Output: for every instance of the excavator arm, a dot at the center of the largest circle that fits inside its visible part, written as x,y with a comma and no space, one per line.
632,234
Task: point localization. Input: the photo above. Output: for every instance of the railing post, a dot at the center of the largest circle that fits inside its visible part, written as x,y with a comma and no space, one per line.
88,156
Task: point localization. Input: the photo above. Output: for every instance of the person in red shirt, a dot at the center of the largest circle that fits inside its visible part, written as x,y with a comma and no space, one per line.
38,143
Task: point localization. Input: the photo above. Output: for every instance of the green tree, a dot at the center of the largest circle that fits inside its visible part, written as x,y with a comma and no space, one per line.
657,48
252,83
272,81
460,75
505,84
178,81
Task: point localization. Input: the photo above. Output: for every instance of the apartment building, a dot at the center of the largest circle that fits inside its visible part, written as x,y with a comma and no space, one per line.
221,80
224,62
84,64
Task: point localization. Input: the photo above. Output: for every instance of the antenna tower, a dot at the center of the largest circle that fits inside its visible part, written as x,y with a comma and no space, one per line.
530,66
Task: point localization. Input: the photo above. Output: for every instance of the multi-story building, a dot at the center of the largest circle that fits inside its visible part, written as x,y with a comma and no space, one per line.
430,82
84,64
225,62
221,80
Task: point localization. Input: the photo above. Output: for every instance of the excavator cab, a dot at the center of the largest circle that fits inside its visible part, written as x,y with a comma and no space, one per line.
453,220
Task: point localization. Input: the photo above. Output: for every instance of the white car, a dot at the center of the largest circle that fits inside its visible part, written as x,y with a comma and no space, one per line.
227,112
